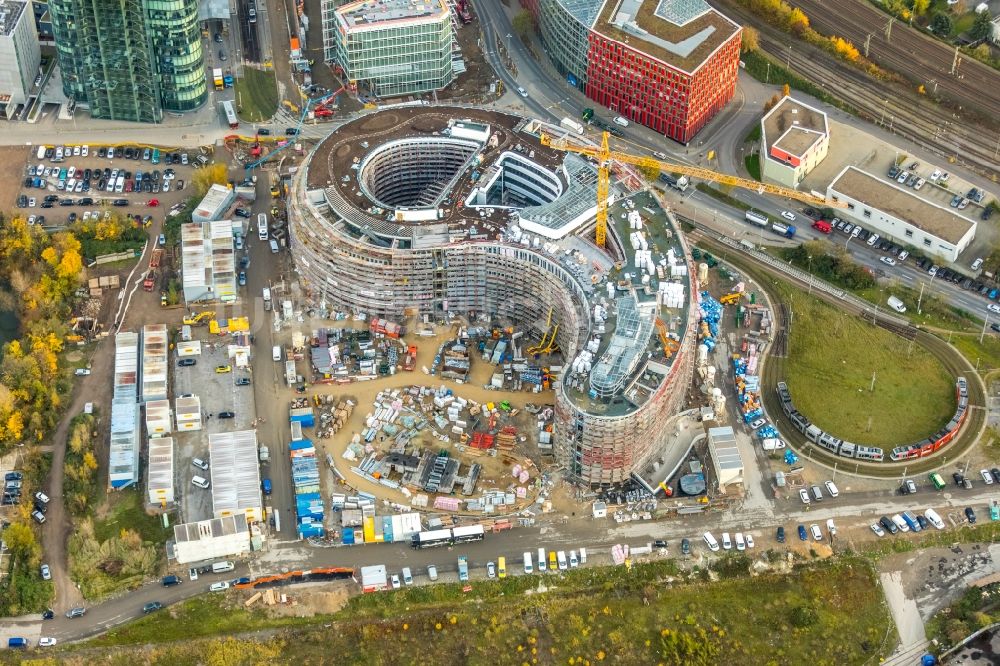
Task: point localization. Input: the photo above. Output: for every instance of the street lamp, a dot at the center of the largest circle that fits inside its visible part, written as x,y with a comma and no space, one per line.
810,275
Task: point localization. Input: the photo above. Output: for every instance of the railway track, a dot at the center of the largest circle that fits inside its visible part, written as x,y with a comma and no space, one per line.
894,106
909,52
774,371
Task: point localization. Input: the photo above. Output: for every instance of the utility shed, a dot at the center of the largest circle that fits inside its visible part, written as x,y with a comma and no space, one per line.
217,201
726,457
374,578
211,539
158,418
160,471
235,474
154,362
188,412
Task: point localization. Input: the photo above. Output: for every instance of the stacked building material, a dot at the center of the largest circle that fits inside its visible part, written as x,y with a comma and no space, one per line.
506,438
305,484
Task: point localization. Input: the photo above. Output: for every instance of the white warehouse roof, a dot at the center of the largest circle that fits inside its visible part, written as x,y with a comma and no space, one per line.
160,472
235,474
154,362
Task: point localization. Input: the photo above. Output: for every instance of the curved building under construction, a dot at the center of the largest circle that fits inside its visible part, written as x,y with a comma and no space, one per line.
455,212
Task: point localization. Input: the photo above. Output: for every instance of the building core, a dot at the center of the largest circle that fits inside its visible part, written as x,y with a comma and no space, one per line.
462,214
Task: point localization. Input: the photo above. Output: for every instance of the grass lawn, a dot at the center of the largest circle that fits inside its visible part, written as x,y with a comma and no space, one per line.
722,196
124,509
985,354
256,95
752,163
832,356
647,616
934,312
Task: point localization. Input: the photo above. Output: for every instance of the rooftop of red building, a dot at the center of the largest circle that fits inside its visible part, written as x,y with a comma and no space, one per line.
680,33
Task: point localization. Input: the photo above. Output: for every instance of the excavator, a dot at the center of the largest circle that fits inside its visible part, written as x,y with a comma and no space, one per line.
670,346
547,343
199,318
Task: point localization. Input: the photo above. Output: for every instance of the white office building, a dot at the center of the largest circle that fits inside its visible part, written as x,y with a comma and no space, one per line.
901,215
19,54
794,139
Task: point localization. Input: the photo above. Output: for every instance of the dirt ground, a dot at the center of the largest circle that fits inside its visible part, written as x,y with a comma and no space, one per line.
310,599
495,470
936,576
13,160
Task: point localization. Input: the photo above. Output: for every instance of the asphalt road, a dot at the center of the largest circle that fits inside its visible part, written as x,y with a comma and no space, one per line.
850,510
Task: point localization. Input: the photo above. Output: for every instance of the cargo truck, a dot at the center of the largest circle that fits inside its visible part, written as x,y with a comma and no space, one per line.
463,568
217,78
572,125
911,521
680,184
786,230
150,281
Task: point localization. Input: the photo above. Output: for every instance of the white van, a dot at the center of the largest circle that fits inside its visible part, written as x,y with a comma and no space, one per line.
41,152
262,226
896,304
831,488
274,246
541,559
900,523
276,353
710,541
934,519
527,564
619,120
727,543
583,556
561,557
222,567
407,576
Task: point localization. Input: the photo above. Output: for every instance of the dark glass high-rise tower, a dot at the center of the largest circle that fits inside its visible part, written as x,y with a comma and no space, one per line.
130,59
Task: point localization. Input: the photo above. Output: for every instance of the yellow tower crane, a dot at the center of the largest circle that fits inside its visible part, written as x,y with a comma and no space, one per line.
604,155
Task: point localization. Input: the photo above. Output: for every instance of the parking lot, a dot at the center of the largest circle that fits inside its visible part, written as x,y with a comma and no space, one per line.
219,393
58,191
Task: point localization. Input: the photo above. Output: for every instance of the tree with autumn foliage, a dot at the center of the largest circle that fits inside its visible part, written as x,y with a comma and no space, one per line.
41,272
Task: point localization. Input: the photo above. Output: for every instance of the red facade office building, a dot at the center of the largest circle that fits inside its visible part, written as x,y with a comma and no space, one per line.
668,64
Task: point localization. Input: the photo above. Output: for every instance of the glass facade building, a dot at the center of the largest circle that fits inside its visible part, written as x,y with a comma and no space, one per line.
392,50
671,66
130,59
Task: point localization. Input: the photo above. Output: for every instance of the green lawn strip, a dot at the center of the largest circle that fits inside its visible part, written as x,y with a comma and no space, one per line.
757,66
985,355
256,95
203,616
752,163
722,196
832,357
646,616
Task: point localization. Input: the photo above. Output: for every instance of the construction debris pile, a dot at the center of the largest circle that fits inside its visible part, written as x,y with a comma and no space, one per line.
342,355
305,473
711,312
396,447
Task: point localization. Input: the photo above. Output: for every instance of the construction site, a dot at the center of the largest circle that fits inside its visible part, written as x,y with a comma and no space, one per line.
482,222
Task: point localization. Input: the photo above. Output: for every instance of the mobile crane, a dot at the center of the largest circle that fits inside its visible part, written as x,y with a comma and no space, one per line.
318,102
604,155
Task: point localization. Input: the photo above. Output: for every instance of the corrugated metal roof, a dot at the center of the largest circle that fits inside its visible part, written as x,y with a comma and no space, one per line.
208,529
154,362
235,472
160,469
